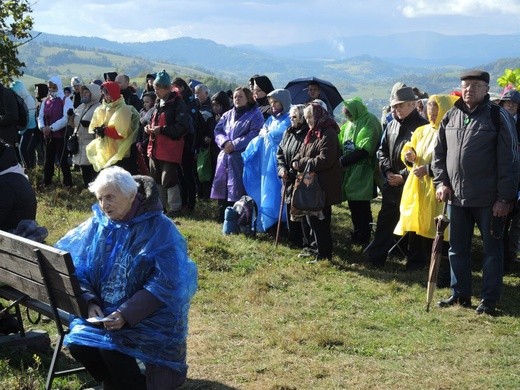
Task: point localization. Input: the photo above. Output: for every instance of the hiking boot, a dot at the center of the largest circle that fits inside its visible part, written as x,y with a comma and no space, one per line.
453,300
486,306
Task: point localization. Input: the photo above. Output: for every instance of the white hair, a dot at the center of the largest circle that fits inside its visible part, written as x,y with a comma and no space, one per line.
116,176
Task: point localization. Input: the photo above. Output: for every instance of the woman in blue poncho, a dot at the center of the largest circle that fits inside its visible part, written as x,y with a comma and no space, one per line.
137,282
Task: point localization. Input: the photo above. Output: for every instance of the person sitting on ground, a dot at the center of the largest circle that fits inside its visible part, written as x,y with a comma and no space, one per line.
260,169
134,272
359,138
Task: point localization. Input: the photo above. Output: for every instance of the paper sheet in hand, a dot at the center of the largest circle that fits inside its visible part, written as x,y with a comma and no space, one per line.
95,320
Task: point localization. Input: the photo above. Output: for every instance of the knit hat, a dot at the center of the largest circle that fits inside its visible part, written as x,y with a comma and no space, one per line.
264,83
475,74
75,81
163,79
113,89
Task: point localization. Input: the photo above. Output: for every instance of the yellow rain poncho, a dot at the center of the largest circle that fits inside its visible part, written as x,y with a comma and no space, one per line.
105,152
419,206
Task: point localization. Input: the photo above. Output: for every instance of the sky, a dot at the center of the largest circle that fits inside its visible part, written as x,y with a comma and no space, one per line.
271,22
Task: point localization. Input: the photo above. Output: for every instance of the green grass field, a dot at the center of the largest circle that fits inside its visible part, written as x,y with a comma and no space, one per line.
264,319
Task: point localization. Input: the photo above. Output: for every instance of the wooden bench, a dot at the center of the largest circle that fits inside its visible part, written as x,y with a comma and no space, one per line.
41,278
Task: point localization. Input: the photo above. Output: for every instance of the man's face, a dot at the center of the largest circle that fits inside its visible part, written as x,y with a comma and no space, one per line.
201,95
314,91
473,92
120,79
402,110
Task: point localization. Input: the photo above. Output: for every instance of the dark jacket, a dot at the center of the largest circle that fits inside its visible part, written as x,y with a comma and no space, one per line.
397,133
289,146
8,116
132,99
17,197
476,160
323,156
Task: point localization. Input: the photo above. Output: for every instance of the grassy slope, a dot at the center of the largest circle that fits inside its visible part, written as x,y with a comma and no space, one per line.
264,319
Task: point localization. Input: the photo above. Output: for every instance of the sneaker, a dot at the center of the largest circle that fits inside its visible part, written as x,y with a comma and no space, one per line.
485,306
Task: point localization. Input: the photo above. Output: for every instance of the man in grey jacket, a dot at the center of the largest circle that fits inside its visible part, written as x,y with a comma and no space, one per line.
476,168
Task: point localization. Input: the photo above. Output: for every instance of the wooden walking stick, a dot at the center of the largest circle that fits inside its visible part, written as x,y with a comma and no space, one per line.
280,216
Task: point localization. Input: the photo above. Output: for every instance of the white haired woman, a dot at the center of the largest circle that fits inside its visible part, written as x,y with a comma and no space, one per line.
135,274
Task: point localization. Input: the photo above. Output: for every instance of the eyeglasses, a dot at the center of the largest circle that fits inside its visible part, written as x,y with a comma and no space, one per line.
473,85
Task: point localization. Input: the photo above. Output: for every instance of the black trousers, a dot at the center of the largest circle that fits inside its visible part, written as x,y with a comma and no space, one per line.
55,151
386,220
116,370
321,232
361,219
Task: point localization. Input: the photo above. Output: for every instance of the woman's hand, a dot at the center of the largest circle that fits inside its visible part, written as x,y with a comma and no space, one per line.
420,171
94,310
410,156
229,147
117,323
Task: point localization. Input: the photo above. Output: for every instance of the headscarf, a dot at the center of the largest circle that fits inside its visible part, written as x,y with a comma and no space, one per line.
322,121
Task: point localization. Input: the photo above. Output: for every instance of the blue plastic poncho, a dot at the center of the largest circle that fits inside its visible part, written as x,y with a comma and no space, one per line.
260,175
114,260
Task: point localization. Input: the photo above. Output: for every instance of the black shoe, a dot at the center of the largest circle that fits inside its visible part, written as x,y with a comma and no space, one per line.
486,306
453,300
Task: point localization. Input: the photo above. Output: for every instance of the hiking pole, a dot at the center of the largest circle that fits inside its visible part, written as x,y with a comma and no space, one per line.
280,215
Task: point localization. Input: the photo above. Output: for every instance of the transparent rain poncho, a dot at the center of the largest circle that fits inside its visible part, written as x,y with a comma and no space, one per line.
114,260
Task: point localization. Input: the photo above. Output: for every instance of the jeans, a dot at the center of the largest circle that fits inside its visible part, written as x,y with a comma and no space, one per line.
462,222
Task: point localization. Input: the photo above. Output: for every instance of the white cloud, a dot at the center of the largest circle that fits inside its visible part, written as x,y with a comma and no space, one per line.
422,8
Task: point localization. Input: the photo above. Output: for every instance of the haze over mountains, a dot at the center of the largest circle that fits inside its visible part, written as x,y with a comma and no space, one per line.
426,59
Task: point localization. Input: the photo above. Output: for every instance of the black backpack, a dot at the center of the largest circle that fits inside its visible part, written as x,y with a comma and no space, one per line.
247,212
23,112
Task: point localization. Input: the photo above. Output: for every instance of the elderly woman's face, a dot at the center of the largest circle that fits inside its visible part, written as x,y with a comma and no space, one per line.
309,117
295,117
114,203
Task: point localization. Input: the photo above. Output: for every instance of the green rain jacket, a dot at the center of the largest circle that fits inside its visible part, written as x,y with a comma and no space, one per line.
363,132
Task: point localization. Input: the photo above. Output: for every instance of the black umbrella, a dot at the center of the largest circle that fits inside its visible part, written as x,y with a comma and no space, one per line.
298,89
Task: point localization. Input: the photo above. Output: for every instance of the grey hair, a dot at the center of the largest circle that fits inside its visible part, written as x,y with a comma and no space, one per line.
203,87
298,109
116,176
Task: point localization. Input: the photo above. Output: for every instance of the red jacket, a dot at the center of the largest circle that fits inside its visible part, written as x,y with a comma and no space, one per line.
173,117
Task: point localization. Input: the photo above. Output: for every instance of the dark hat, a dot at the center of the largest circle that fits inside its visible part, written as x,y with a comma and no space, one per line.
264,83
475,74
110,76
163,79
402,95
511,95
151,76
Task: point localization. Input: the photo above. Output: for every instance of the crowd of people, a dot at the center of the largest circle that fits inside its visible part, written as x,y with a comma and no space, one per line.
456,152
